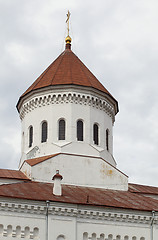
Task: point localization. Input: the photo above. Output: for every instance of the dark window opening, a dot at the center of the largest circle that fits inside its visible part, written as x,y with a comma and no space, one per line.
61,135
96,134
107,139
79,130
30,136
44,132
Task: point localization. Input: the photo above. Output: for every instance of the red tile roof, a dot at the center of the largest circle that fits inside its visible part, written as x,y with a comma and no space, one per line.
67,69
143,189
35,161
79,195
12,174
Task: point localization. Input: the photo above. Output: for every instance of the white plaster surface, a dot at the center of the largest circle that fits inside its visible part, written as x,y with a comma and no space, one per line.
79,170
72,222
71,111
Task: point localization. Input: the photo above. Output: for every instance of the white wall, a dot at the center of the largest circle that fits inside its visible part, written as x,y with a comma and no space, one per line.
80,171
72,222
70,105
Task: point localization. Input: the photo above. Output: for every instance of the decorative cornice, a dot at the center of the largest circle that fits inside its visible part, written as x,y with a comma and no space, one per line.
65,98
102,215
58,210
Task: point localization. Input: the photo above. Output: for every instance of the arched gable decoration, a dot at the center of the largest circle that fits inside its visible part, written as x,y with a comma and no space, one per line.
96,134
79,130
61,134
30,136
44,132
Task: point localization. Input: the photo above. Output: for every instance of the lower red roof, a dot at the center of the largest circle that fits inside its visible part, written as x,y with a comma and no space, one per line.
79,195
12,174
143,189
34,161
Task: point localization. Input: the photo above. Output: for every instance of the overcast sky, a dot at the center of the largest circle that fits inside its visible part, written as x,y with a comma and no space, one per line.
118,42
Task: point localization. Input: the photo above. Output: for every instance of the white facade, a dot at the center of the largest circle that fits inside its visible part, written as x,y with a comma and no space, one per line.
78,170
70,104
43,220
86,159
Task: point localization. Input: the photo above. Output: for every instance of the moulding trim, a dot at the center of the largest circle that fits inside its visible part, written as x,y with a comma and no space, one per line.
64,98
76,212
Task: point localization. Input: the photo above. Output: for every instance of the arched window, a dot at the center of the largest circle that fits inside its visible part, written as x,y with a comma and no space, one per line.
61,237
118,237
94,236
96,134
1,229
107,139
27,232
30,136
126,238
110,237
79,130
18,231
44,132
35,233
102,236
9,231
85,236
61,134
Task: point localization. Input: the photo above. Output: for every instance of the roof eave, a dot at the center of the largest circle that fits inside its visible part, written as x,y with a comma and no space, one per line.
109,96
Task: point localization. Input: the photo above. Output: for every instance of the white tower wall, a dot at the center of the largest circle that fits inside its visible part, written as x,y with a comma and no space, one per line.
71,105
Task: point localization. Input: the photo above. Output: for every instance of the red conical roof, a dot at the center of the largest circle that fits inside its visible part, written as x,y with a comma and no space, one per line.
67,69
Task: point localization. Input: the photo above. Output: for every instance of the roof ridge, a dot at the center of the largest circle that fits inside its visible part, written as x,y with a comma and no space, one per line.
61,55
65,52
47,69
144,185
71,69
81,67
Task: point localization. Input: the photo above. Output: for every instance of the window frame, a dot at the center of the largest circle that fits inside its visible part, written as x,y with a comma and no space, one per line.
96,134
107,139
30,136
80,136
44,134
61,136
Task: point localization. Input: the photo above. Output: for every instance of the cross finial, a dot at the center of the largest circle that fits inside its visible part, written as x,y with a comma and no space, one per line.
67,21
68,38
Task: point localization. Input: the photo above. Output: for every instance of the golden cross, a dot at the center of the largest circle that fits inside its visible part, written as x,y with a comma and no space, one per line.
67,21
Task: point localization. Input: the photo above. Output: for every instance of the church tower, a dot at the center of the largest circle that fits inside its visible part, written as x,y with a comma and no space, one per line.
67,119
